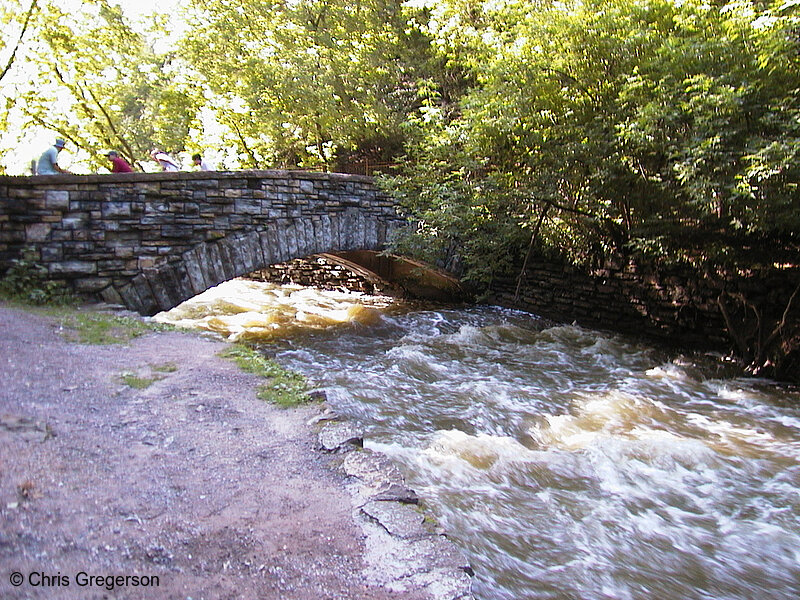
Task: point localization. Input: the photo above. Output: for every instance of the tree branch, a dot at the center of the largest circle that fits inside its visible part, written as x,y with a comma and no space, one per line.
13,56
737,339
116,133
779,327
534,236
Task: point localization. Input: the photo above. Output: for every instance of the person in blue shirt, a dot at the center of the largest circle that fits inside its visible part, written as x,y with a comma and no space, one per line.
48,161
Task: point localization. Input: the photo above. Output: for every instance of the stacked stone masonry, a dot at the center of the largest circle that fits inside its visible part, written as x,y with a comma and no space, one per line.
673,304
321,272
150,241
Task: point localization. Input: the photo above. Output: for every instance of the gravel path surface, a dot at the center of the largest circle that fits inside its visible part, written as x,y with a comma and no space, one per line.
193,480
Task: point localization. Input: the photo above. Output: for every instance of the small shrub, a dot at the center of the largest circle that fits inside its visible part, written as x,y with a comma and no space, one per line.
27,281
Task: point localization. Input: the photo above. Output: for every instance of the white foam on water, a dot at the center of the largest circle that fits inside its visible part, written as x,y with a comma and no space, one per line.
481,451
242,309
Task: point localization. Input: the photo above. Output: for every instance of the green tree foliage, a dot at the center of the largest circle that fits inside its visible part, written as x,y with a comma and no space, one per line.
661,127
97,82
298,83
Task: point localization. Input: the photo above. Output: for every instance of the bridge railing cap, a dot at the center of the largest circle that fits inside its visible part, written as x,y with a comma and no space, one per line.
180,176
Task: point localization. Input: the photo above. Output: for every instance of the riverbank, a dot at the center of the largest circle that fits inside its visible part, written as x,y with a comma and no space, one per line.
190,483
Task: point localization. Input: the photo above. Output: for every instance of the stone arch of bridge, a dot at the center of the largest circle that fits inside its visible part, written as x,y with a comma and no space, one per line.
165,285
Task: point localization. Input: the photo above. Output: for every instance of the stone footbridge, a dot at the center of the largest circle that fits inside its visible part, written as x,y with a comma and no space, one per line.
152,240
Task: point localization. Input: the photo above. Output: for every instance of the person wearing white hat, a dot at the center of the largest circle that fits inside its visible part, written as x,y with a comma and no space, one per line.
48,161
165,160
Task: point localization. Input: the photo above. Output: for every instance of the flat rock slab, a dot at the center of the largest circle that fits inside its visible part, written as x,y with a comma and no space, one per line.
400,520
340,436
404,550
379,477
432,563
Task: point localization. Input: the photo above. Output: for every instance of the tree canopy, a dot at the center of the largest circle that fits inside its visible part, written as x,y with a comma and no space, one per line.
669,129
579,127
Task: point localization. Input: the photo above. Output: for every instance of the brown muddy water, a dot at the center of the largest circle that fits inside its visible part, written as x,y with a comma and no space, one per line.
567,463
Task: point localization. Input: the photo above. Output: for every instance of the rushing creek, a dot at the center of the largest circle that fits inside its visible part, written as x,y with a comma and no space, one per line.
566,463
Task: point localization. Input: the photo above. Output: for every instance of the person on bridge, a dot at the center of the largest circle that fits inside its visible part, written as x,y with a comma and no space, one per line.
200,163
118,164
48,161
165,160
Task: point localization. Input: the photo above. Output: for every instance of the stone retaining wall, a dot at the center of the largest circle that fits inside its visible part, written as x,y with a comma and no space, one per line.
673,305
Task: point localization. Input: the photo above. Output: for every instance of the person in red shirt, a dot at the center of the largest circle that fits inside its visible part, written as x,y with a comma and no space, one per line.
118,164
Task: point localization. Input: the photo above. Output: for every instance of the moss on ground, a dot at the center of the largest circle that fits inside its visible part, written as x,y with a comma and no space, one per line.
285,388
138,382
100,328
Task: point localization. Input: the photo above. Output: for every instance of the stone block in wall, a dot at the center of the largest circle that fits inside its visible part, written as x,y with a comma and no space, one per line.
370,234
192,260
208,257
324,233
290,237
246,205
383,233
249,253
56,199
144,293
71,268
110,295
81,248
162,292
314,230
177,275
266,248
312,243
91,285
180,231
125,252
130,298
75,221
110,265
204,184
300,238
272,245
37,232
51,253
14,206
227,259
337,231
115,209
356,229
14,193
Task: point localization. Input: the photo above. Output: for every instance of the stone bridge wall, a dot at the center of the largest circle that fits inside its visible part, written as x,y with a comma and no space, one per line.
150,241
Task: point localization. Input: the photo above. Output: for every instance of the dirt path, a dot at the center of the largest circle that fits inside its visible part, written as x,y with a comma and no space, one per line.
192,480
